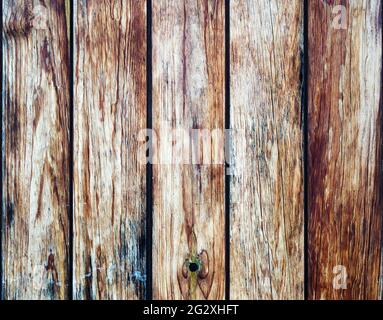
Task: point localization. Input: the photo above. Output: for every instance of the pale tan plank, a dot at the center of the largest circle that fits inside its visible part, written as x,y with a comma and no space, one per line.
266,190
188,92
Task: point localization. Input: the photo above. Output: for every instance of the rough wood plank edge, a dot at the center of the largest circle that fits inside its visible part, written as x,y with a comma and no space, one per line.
109,180
35,151
345,149
188,93
266,191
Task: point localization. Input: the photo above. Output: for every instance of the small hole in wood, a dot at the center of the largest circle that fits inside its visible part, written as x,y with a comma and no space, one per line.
193,267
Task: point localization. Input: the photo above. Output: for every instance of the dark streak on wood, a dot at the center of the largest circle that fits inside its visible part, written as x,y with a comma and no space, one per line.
10,214
53,278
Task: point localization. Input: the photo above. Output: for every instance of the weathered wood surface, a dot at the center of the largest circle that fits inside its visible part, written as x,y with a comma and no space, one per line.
35,149
345,149
344,144
188,93
266,191
109,181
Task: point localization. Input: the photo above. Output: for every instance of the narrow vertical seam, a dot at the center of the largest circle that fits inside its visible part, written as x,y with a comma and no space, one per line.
71,148
305,70
227,152
381,153
149,169
2,212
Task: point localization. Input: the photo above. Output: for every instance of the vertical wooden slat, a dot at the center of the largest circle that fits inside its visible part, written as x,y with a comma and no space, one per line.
345,145
188,93
266,190
109,180
35,149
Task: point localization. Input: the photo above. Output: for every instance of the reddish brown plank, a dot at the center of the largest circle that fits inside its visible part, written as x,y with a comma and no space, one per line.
345,149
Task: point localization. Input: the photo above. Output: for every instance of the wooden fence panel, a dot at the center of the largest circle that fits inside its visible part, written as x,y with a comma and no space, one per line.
266,190
345,149
109,180
100,249
35,151
188,93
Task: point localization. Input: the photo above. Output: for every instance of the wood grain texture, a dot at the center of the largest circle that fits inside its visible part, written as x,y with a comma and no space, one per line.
35,149
345,148
109,181
266,190
188,93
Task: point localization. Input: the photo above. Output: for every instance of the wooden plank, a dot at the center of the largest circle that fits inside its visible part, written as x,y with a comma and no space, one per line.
266,190
109,181
188,93
345,149
35,150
